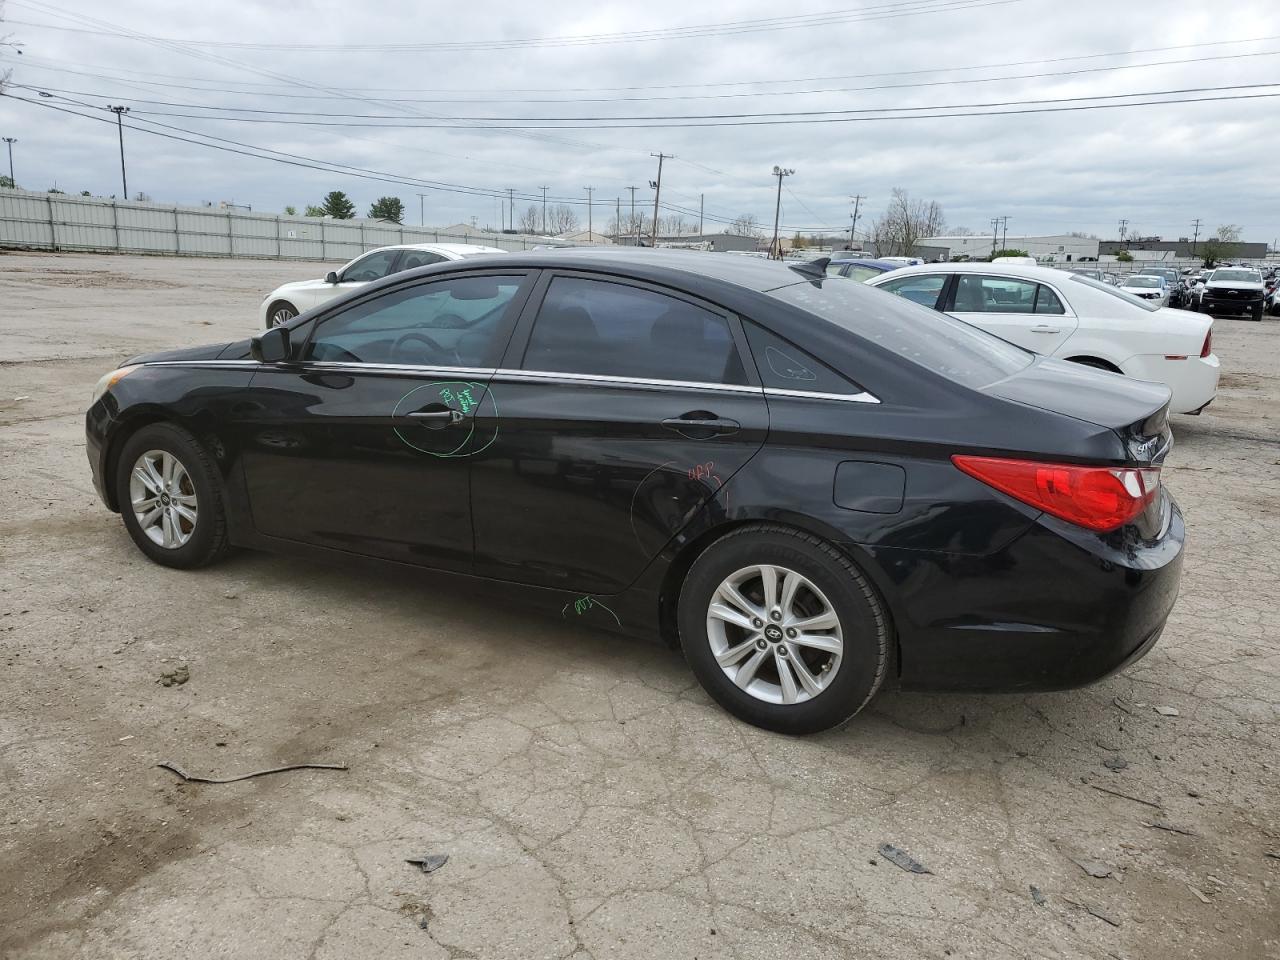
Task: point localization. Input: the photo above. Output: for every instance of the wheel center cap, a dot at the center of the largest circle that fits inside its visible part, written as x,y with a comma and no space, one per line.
773,632
164,499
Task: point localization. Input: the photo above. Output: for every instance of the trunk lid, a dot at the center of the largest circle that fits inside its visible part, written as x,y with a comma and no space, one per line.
1137,410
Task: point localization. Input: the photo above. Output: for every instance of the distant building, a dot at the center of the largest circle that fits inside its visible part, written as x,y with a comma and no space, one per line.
1056,248
1181,248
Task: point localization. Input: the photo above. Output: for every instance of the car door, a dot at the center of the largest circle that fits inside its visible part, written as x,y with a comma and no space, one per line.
361,442
620,410
1025,312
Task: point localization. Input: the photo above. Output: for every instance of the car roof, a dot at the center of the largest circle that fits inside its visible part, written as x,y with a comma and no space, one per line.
457,249
751,273
868,262
1016,270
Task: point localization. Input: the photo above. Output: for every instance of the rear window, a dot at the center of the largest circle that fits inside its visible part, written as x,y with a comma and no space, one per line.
1150,306
935,341
1152,282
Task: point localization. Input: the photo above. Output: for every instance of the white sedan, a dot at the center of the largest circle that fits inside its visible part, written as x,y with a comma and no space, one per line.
1072,317
1146,287
290,299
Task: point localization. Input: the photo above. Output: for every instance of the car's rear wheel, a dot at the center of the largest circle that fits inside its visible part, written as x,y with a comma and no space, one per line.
170,497
281,312
782,630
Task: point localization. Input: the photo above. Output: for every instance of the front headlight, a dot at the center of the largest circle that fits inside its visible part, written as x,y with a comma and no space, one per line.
109,381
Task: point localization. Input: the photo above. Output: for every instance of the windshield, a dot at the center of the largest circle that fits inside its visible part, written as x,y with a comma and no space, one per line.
1149,305
1237,276
1143,282
935,341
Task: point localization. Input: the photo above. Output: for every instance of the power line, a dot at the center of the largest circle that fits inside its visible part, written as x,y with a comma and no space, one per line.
684,97
893,10
34,63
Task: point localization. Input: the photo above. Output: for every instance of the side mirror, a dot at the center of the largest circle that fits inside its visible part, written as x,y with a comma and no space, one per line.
271,346
331,277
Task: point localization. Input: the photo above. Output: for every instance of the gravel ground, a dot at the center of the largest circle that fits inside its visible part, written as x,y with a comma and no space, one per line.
592,801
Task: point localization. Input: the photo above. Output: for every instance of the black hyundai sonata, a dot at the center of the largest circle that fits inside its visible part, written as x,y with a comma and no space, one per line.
814,488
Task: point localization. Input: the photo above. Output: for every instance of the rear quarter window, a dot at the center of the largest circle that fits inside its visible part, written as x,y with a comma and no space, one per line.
939,343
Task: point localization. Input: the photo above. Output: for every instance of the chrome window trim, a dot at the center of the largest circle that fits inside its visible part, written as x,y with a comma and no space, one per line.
530,376
862,397
535,376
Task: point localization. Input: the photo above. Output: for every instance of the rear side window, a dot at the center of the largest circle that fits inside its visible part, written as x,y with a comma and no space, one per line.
1047,301
932,340
784,366
859,272
602,328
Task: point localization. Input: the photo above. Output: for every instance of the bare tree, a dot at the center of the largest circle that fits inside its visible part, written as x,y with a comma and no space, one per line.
1081,235
562,218
531,220
745,225
1228,233
904,223
963,232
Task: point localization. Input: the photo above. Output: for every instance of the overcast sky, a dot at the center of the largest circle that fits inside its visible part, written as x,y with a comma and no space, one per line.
1160,167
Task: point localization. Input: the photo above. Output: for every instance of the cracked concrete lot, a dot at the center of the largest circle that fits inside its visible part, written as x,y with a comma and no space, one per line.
592,801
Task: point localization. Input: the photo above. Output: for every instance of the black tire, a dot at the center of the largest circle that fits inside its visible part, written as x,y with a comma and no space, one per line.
282,311
864,626
1256,315
208,536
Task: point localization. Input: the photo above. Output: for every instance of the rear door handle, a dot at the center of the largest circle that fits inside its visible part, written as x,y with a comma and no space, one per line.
1041,328
716,426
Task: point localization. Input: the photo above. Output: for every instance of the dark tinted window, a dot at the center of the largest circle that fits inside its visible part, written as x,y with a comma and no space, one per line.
918,288
455,323
932,340
419,258
1047,301
373,266
612,329
784,366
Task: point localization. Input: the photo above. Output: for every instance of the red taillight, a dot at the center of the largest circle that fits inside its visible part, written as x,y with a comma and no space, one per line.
1100,498
1208,344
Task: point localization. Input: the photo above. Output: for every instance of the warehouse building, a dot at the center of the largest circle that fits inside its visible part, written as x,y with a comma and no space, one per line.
1059,248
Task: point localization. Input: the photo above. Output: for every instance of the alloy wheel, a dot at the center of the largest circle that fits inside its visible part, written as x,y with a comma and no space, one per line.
282,315
774,634
163,498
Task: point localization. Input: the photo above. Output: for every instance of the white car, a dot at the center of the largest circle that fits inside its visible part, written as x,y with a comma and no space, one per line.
290,299
1146,287
1072,317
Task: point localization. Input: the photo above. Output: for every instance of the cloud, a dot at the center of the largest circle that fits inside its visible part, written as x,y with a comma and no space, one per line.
1159,166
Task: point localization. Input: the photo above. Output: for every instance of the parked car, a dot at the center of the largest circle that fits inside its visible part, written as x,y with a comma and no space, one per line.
1231,290
1146,287
290,299
1067,315
859,268
1173,281
647,441
1273,300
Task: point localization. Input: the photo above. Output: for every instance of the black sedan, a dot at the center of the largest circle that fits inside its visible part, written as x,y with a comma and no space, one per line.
813,488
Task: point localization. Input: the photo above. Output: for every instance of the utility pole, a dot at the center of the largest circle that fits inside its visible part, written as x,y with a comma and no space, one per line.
1124,225
657,192
634,226
544,209
422,216
118,111
779,172
1194,237
1004,233
617,219
702,198
590,191
853,223
511,207
11,141
995,230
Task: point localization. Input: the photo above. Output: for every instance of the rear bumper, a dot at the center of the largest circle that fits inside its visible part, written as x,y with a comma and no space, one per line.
1058,608
1193,381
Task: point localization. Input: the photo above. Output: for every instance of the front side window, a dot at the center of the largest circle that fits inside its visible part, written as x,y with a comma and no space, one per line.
601,328
918,288
372,266
455,322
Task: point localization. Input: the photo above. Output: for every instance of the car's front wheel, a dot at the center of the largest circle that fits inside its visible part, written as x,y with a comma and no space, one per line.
281,312
1257,313
782,630
170,497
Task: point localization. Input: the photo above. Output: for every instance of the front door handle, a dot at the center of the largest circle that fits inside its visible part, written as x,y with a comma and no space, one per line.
436,416
702,425
1041,328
